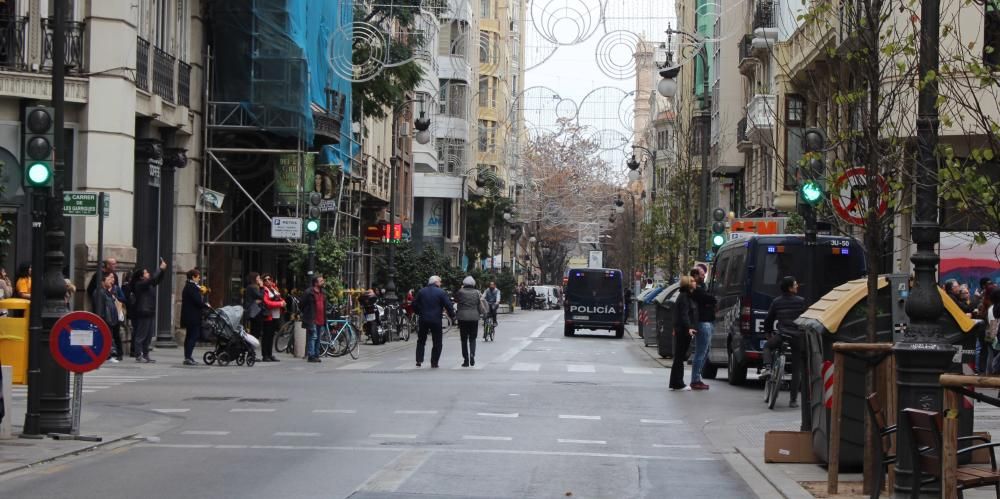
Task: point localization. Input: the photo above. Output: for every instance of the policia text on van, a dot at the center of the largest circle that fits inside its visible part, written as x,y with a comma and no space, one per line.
594,299
746,275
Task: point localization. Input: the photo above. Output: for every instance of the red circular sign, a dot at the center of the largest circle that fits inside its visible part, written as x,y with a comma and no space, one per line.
80,342
850,196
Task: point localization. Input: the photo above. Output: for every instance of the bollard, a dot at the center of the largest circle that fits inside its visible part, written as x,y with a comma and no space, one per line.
299,335
6,389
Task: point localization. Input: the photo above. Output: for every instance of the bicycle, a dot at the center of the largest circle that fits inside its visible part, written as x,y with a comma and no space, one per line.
284,338
344,341
490,323
778,363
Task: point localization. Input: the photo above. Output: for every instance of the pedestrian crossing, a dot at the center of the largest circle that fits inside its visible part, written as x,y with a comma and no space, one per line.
95,382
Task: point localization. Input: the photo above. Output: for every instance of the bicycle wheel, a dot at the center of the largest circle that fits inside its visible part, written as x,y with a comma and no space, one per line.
353,345
283,338
775,381
325,342
340,344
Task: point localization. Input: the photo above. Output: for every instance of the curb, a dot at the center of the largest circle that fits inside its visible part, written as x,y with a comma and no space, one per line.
788,488
70,453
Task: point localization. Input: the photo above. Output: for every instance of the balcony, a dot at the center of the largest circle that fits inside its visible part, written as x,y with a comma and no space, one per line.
13,49
748,60
142,64
761,117
73,47
765,25
162,74
26,57
743,143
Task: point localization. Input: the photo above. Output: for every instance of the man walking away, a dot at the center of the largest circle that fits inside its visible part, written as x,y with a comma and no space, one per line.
705,303
430,302
785,309
312,309
145,310
470,309
492,297
192,305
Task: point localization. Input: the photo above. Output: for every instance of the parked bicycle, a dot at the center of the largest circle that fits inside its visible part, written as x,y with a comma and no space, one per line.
284,338
339,338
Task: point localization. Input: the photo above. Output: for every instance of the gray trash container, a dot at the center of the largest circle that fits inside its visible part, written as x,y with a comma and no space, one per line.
665,302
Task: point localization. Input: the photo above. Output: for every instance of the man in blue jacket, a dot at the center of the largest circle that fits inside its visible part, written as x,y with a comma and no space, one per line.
429,303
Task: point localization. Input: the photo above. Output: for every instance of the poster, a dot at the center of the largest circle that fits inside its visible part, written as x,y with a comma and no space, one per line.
433,217
286,177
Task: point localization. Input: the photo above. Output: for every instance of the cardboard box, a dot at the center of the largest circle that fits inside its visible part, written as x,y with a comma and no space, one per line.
788,447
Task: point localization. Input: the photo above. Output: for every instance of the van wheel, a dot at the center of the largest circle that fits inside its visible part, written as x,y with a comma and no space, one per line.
737,372
620,332
710,371
568,331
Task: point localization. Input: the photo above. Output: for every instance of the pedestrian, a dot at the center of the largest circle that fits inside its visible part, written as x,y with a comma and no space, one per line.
992,323
470,309
522,296
312,310
145,310
984,344
784,310
192,305
492,297
705,305
531,297
431,302
108,308
22,287
628,302
68,295
982,292
110,266
685,321
965,300
6,288
274,305
253,304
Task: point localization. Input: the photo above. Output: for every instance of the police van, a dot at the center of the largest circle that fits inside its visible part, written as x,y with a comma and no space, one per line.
594,299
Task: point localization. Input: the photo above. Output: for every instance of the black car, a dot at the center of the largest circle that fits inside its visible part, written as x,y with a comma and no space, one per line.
594,299
745,277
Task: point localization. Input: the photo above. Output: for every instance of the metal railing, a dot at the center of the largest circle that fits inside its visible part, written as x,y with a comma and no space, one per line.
183,84
74,53
745,46
764,14
163,74
741,131
13,49
142,64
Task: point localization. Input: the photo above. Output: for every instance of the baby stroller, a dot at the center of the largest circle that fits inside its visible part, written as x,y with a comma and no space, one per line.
231,341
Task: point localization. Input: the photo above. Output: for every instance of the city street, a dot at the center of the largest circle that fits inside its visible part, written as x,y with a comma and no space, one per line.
539,415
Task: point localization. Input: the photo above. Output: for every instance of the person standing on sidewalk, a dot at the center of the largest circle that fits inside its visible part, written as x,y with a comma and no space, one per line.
110,266
107,307
312,309
470,309
145,310
253,304
192,305
274,304
429,304
685,315
705,304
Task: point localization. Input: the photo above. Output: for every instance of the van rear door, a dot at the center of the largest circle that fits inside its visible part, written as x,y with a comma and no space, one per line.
594,296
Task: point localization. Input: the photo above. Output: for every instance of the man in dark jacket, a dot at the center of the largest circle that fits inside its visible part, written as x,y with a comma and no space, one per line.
784,310
705,304
312,309
192,305
430,302
145,310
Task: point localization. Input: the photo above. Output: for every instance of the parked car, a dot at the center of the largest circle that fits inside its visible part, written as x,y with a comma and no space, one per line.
547,297
745,278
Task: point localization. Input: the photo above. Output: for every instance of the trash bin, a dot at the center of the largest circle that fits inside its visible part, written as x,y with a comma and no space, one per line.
14,338
665,301
646,324
841,316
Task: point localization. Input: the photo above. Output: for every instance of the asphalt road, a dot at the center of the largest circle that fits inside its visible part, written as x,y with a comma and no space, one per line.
540,415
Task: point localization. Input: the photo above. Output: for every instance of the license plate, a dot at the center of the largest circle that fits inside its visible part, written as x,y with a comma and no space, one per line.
369,317
762,343
581,317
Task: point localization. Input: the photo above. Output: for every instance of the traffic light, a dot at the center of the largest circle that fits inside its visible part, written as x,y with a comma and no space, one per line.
38,148
718,228
811,186
312,213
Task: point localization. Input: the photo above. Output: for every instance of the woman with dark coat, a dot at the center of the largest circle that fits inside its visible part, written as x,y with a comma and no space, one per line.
192,305
253,304
145,310
106,306
685,320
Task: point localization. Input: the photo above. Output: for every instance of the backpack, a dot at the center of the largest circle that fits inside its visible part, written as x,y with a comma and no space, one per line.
129,295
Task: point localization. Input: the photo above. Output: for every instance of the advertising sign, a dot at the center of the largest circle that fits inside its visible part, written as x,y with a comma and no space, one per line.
287,177
433,218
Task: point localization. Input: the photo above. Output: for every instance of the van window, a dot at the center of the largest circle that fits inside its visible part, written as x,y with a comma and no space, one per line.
776,261
602,286
737,270
719,273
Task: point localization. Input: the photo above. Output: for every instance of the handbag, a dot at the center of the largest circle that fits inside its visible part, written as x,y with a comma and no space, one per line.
121,311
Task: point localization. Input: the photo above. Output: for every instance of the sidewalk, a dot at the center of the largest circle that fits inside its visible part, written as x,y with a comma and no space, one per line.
741,441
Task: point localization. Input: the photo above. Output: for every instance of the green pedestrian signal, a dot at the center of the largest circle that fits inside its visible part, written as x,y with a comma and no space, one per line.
811,192
38,151
313,213
312,226
718,228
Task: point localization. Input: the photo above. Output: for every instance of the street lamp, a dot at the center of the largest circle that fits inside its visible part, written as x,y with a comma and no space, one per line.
422,126
633,165
667,87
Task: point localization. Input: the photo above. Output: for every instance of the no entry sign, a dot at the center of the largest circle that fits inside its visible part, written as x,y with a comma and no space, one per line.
80,342
850,196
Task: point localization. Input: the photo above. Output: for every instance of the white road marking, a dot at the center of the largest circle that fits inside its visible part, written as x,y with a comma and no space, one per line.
295,434
408,365
334,411
510,354
577,416
435,449
572,441
525,366
251,409
637,370
205,432
578,368
88,391
660,421
676,446
357,366
498,414
392,435
390,477
171,411
486,437
415,412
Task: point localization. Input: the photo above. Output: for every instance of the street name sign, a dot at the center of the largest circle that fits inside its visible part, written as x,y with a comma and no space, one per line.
286,228
80,342
83,204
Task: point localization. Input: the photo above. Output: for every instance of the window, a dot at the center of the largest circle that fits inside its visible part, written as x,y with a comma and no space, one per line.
451,155
484,47
493,91
486,9
484,82
483,135
795,116
496,48
451,101
662,140
991,33
795,110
